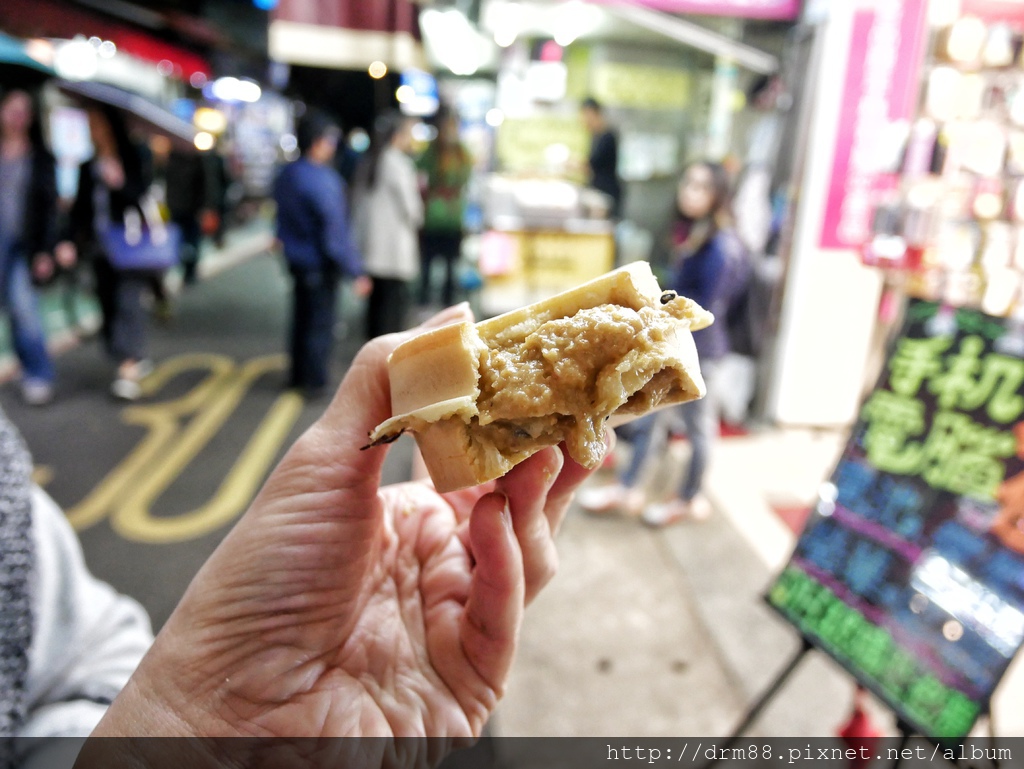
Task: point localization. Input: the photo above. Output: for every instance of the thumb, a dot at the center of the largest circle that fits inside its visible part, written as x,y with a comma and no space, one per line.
335,443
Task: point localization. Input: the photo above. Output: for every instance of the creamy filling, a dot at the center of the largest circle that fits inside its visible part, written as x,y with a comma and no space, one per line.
563,381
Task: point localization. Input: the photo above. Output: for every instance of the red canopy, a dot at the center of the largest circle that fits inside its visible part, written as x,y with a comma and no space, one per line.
47,18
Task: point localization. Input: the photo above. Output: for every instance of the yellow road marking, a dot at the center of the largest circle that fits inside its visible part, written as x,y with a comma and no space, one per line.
128,492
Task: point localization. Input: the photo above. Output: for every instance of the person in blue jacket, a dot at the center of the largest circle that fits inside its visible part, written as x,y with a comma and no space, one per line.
710,265
313,229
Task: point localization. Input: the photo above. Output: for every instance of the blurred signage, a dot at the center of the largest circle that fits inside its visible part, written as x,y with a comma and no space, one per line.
616,84
747,9
545,260
881,90
525,145
417,94
910,571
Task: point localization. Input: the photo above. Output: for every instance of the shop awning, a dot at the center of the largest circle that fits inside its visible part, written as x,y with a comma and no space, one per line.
745,9
47,18
346,34
699,37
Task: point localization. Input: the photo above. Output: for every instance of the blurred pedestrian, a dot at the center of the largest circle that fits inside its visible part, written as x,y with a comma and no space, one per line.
313,228
753,204
603,161
711,266
388,215
190,194
445,168
28,239
110,185
350,152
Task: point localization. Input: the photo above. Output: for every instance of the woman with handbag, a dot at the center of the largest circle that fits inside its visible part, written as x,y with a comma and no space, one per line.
28,242
108,206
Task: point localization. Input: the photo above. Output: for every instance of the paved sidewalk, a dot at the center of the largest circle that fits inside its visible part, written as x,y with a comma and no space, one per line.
649,633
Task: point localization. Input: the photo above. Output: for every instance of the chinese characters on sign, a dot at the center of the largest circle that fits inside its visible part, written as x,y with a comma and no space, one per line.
911,571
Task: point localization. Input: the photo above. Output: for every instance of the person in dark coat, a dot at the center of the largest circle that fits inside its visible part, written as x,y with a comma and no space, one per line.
603,161
191,192
313,228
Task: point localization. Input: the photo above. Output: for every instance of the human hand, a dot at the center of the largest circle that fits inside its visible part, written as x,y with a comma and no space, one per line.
42,267
66,254
362,286
336,607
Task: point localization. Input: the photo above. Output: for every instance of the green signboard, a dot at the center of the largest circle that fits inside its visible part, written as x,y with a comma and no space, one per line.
910,571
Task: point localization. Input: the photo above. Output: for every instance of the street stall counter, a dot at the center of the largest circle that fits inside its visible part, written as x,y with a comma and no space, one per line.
543,236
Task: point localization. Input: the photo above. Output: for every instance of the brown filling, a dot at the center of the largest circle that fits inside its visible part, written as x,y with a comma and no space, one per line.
569,375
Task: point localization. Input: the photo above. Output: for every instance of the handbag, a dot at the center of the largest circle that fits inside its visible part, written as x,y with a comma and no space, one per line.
144,242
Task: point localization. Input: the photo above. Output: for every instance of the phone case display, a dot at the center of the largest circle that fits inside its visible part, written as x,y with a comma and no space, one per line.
955,226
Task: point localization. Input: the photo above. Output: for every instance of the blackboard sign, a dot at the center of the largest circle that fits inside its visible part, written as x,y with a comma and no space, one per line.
910,571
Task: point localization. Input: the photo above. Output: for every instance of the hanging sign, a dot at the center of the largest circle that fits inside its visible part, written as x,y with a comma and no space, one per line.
910,572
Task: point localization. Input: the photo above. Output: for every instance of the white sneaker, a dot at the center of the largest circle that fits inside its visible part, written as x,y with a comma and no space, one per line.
615,496
676,511
126,389
700,508
36,392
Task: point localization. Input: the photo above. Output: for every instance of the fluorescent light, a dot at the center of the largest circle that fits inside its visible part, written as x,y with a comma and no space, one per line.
233,90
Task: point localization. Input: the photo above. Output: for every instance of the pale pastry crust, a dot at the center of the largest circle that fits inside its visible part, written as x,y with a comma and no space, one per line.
480,398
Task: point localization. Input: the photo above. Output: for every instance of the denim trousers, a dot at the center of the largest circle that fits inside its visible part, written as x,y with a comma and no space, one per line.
315,296
28,335
649,433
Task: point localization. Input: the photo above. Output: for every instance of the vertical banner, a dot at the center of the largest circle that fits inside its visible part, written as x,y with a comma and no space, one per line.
881,92
910,572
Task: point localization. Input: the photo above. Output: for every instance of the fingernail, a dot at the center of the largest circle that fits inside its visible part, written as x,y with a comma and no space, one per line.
459,311
506,512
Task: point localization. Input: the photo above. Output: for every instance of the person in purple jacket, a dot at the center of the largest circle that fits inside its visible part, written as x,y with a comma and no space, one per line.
710,265
313,229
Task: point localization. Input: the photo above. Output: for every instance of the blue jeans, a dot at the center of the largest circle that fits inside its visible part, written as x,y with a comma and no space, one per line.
699,418
27,332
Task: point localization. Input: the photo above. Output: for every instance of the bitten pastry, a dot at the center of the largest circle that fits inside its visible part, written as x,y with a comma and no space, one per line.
480,398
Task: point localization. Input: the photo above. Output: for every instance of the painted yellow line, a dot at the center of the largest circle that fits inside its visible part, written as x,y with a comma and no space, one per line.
176,432
104,498
133,519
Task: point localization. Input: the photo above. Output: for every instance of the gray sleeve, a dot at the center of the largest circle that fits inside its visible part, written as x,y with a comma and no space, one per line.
87,638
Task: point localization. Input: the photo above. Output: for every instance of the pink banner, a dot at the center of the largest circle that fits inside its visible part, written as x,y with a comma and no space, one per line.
747,9
880,87
994,10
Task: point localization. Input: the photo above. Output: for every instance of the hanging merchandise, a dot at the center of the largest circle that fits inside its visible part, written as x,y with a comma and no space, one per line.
953,229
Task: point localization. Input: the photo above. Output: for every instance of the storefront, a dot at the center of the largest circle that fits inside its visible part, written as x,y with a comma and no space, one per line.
910,188
669,87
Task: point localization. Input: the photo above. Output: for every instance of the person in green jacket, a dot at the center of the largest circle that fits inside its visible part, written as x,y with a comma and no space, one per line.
445,169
